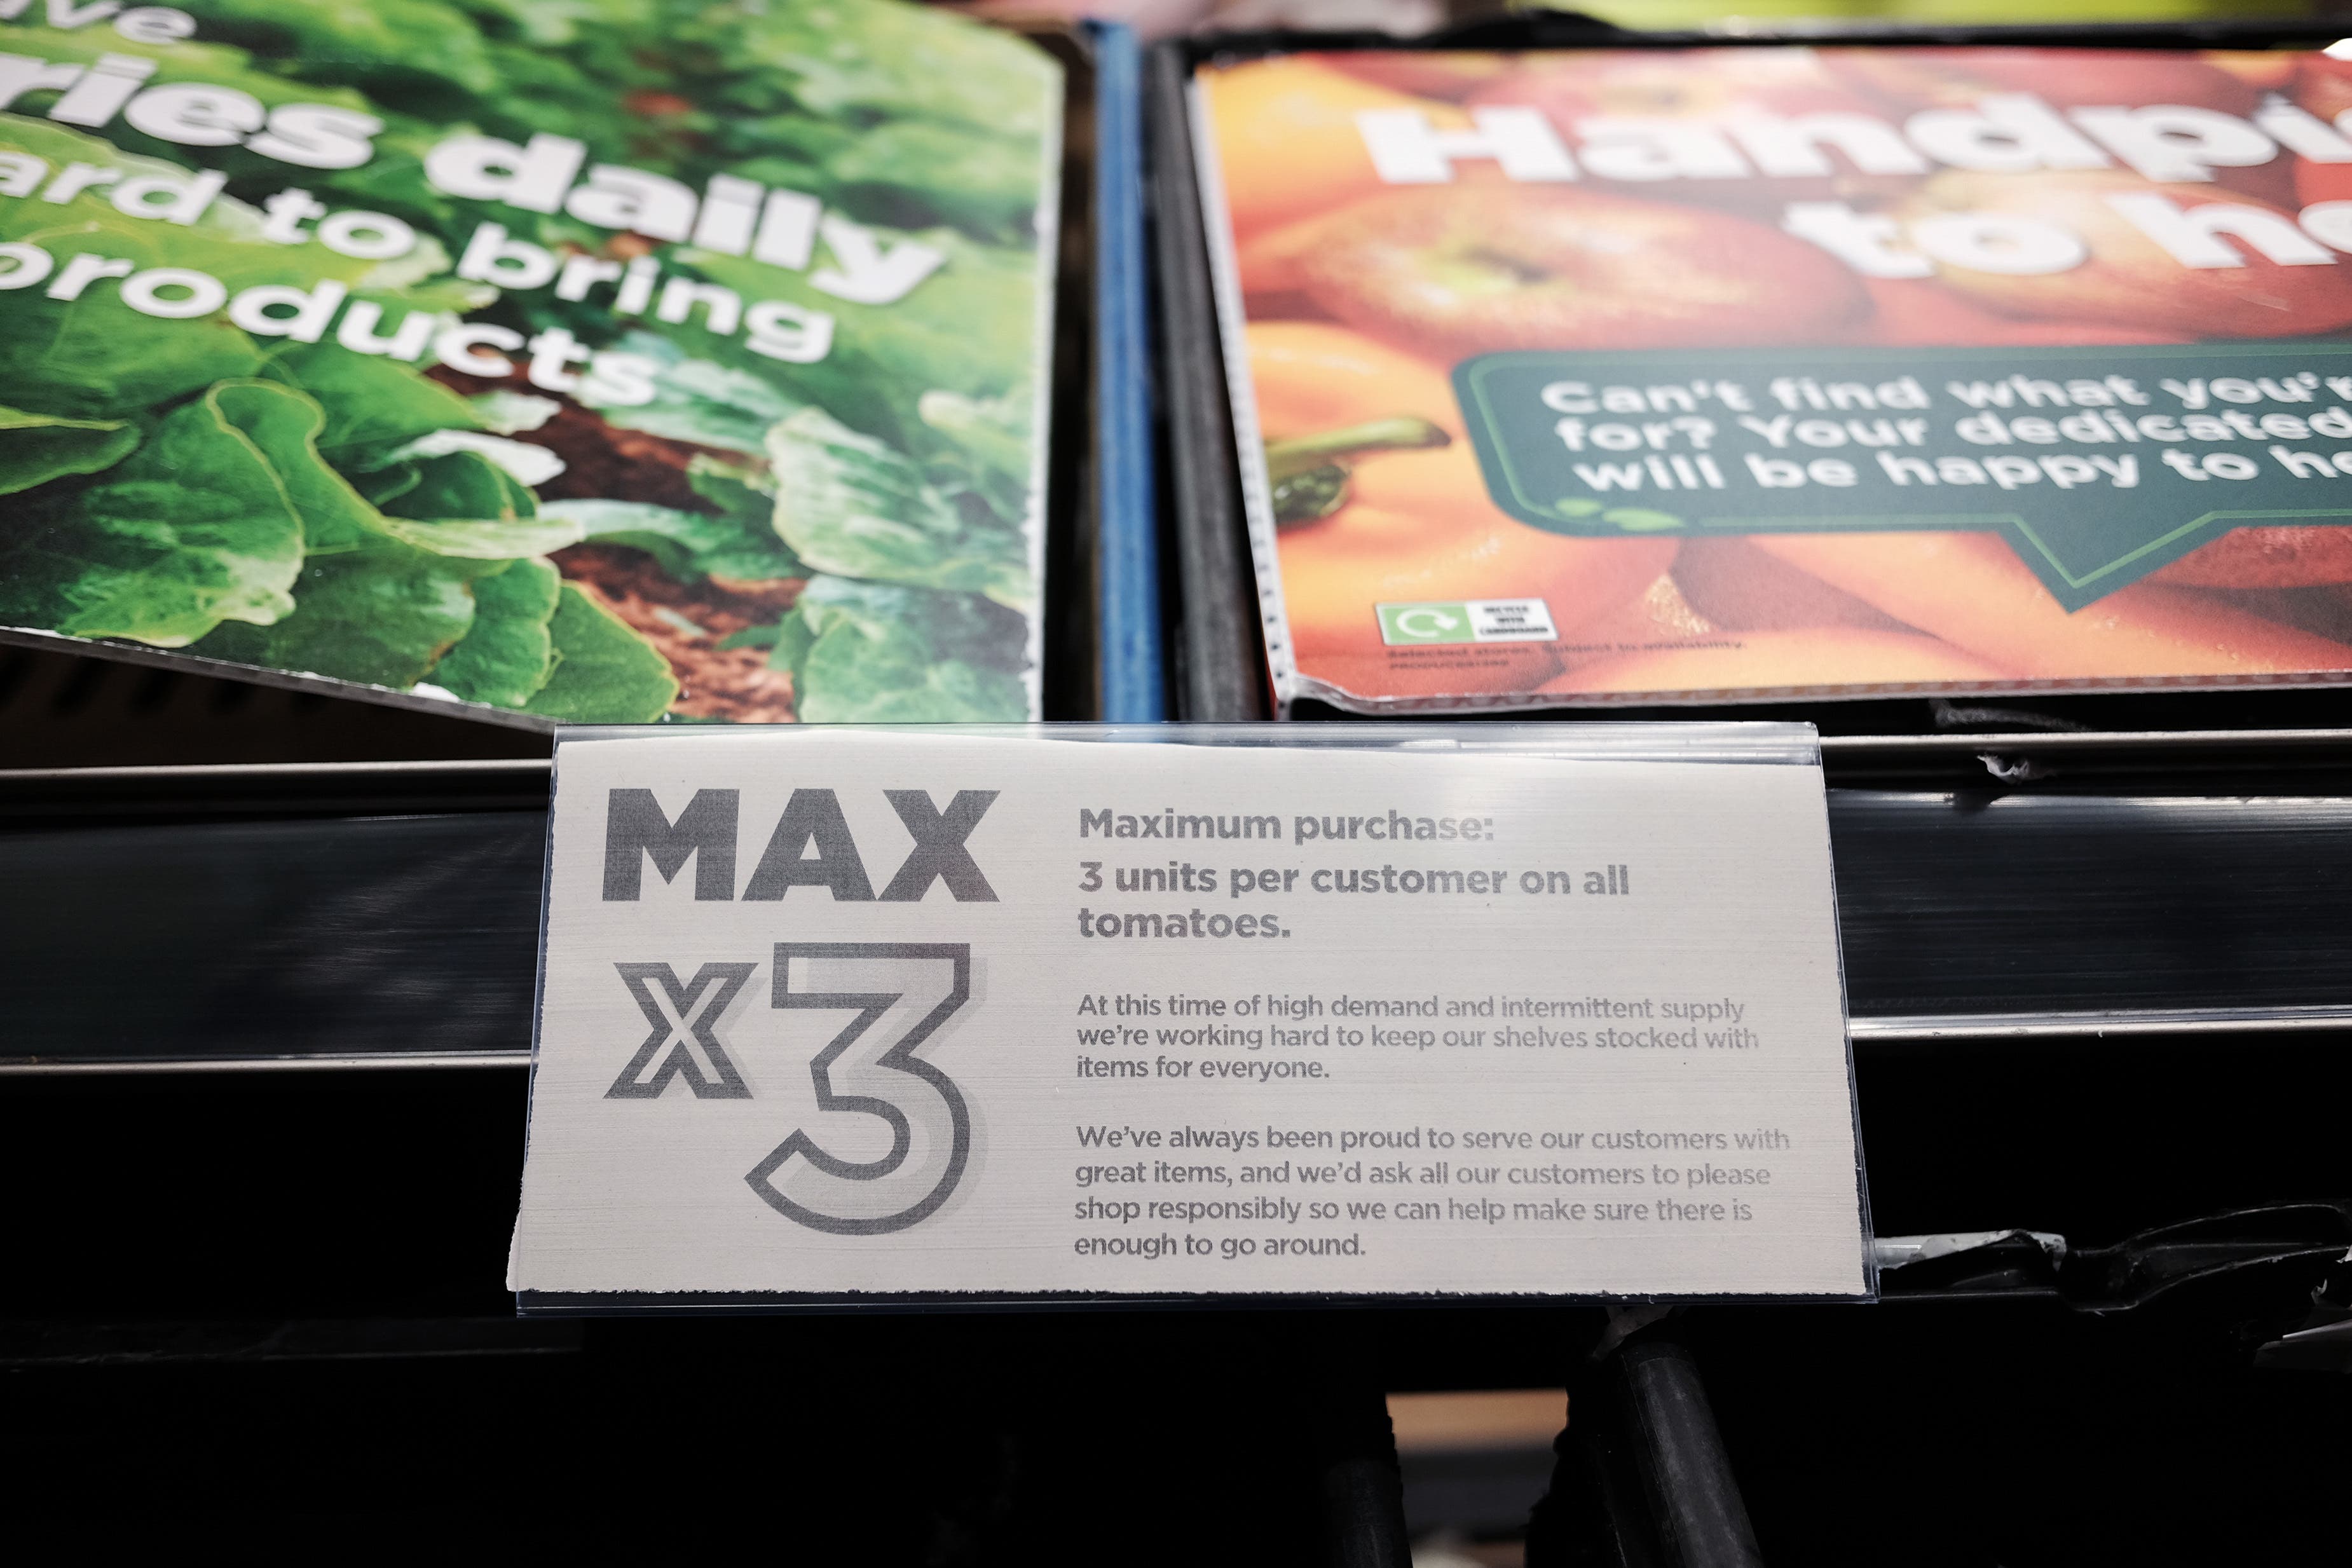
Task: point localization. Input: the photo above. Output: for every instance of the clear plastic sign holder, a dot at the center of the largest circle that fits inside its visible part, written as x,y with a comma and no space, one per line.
1050,1015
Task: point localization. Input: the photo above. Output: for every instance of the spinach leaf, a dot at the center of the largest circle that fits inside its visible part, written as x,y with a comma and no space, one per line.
508,653
525,461
543,22
356,40
506,412
687,544
195,527
878,66
933,170
969,328
867,652
894,61
604,673
381,486
36,448
850,505
701,401
990,455
69,360
371,400
285,424
381,616
742,491
91,358
463,485
485,539
462,504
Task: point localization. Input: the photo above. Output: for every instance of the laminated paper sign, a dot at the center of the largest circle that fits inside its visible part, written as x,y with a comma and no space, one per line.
852,1013
1754,372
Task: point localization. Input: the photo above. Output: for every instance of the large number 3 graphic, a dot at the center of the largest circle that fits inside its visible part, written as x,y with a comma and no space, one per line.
902,992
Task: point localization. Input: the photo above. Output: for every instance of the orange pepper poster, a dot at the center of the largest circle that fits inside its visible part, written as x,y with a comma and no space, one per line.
1735,373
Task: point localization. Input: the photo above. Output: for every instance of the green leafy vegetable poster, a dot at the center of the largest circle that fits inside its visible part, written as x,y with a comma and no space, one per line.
599,360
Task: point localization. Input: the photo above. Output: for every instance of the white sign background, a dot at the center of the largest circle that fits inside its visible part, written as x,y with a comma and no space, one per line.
1671,1114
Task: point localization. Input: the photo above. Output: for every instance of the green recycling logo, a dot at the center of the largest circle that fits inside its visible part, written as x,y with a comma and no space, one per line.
1424,623
1465,621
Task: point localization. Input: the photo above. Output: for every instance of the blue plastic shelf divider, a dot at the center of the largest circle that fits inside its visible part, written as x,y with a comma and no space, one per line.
1134,677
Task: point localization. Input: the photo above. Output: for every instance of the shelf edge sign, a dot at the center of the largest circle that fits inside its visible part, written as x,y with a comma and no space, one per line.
1072,1013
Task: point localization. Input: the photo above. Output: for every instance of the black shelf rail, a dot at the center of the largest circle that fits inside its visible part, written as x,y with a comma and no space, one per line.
343,915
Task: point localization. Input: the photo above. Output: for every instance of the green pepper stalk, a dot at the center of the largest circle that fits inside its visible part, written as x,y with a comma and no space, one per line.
1309,474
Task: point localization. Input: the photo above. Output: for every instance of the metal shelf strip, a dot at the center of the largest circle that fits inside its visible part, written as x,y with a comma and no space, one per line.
410,937
38,791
